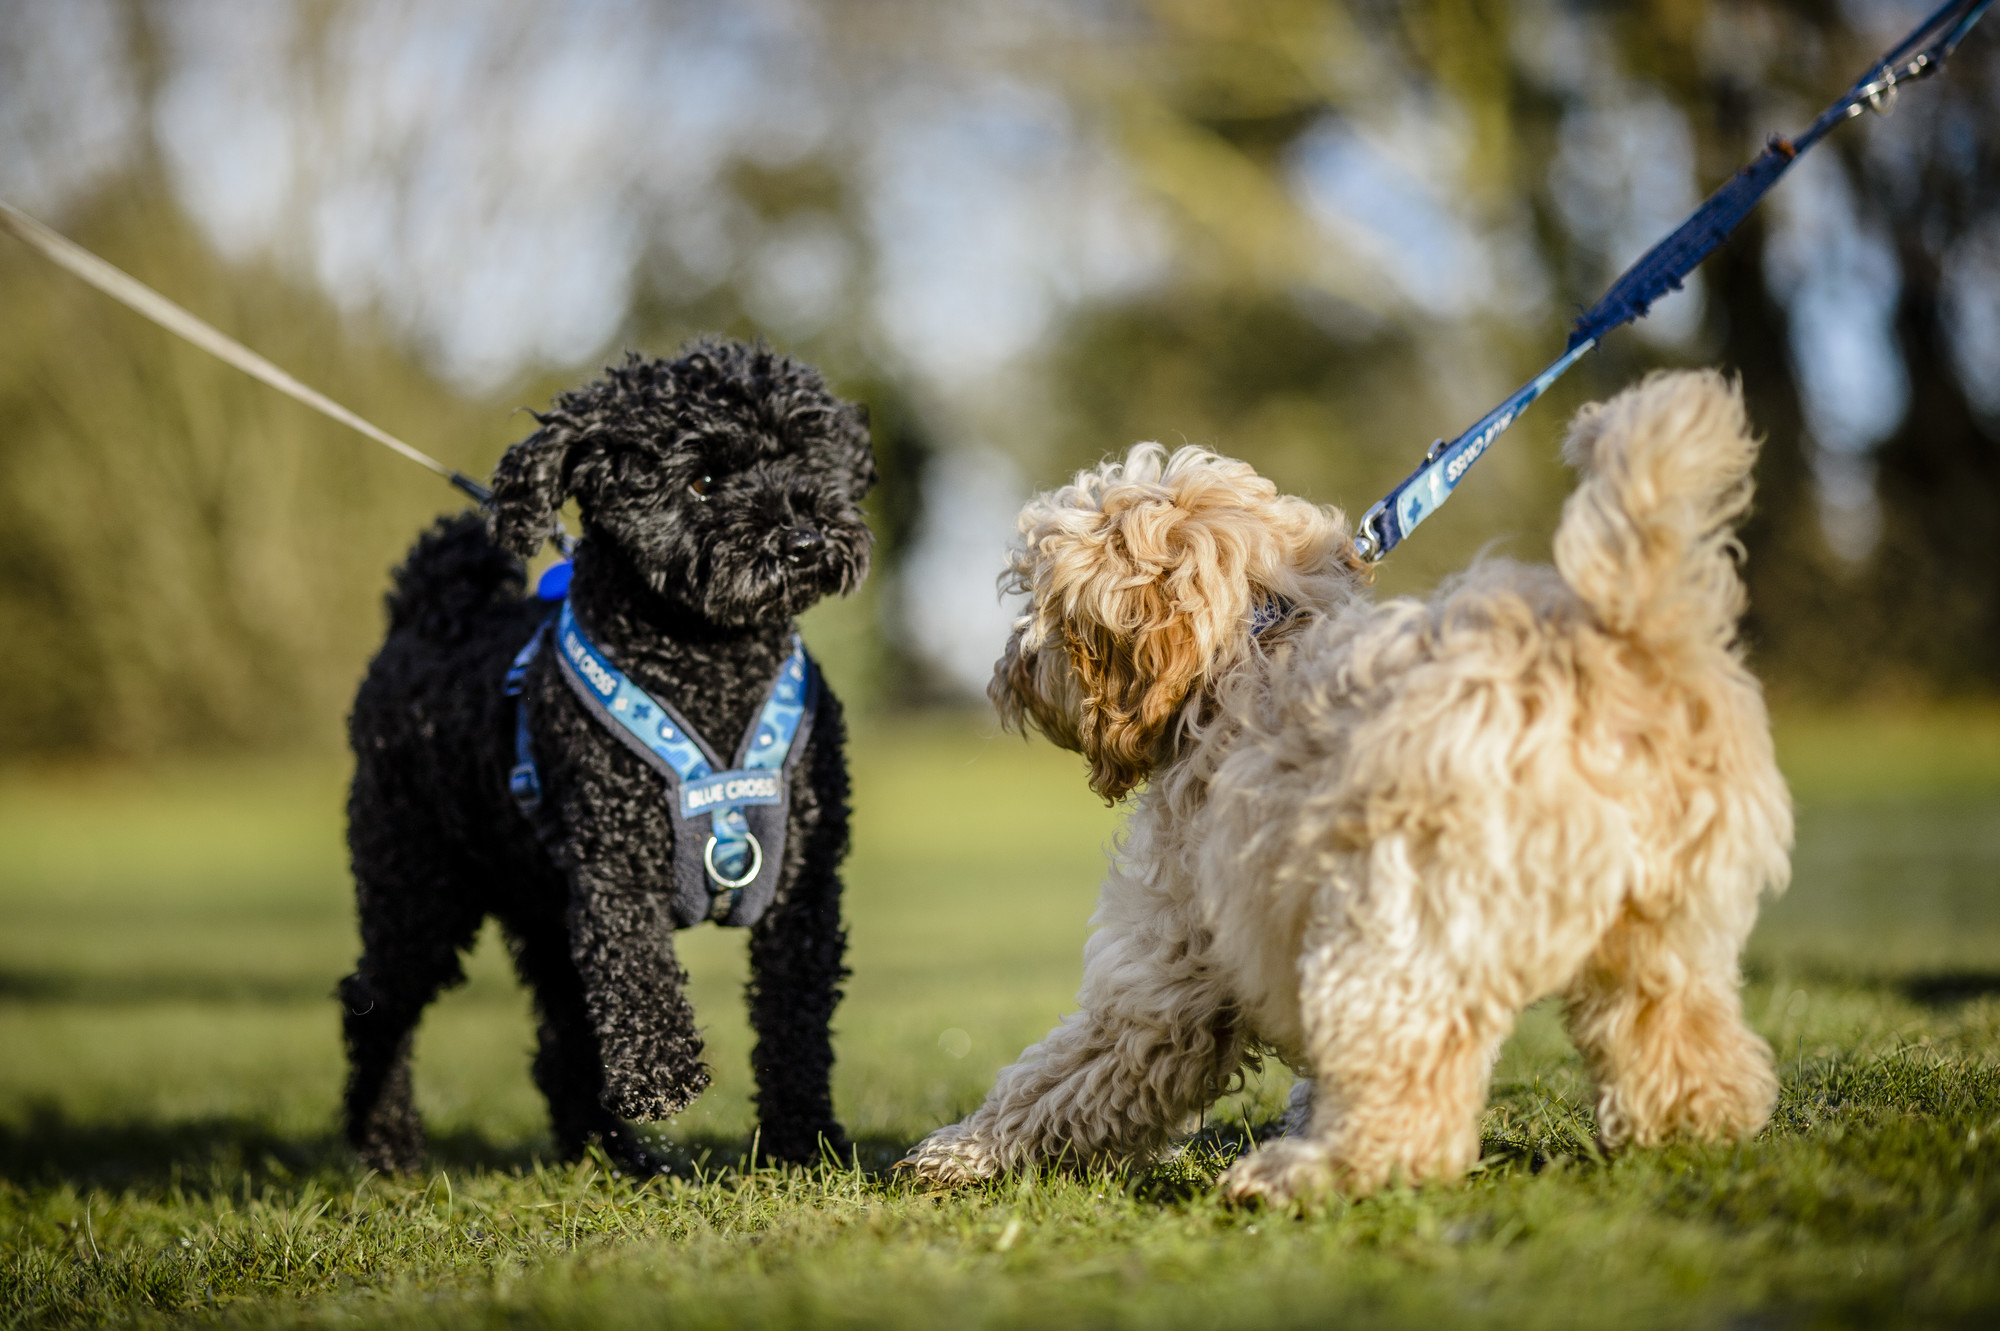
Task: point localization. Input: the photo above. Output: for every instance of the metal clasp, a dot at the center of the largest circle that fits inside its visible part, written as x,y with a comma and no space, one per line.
756,862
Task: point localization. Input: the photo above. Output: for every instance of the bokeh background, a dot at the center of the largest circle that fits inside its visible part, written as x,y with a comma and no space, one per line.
1313,234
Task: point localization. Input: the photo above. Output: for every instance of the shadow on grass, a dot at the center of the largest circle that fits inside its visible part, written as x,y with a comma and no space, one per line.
1945,988
1940,988
704,1155
1193,1170
226,1152
206,1154
30,986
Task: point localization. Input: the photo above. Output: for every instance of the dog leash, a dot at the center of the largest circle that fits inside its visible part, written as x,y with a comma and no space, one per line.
135,295
1661,270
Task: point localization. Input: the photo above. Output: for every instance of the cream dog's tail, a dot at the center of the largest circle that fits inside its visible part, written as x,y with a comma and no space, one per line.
1647,539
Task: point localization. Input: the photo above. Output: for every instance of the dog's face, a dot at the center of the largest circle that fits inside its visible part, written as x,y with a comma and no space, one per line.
730,478
1142,578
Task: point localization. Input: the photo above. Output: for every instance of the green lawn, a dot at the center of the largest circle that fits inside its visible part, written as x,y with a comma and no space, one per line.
169,1067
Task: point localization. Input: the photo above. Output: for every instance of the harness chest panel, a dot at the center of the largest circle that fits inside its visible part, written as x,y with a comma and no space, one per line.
729,825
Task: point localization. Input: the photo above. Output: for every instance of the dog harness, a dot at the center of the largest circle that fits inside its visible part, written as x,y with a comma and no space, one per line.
729,826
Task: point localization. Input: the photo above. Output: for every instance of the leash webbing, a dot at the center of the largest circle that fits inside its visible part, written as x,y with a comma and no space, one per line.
1661,270
129,291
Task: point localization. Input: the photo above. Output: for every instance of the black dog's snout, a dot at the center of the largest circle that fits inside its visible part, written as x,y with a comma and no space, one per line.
802,541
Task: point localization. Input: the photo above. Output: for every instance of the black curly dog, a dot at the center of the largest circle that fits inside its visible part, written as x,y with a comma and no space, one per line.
720,497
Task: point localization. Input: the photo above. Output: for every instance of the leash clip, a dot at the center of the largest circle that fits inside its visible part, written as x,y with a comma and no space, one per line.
1371,543
1367,544
1881,94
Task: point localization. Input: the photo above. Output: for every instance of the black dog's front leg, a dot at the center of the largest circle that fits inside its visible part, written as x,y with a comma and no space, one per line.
622,940
796,952
615,847
567,1067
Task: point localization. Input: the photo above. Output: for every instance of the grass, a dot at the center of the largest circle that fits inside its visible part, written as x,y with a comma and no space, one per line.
169,1065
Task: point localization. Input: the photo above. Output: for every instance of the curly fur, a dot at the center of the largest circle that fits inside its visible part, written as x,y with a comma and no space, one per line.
1373,834
693,594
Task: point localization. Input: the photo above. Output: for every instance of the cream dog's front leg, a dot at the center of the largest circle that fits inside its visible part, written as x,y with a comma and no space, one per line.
1155,1039
1401,1051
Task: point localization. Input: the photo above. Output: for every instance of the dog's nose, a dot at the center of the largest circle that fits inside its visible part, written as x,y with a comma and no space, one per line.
802,541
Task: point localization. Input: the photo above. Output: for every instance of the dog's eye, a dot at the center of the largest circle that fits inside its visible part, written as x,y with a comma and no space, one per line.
698,487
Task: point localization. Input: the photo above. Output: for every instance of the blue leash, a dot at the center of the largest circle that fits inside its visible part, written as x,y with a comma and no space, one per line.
1660,270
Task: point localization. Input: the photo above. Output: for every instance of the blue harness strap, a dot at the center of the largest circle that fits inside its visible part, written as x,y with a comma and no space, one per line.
736,817
524,779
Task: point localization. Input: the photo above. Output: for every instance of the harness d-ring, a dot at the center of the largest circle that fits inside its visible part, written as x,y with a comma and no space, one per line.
756,862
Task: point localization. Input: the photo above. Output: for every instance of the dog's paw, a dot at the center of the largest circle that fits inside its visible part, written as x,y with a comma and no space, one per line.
952,1156
392,1157
1279,1174
628,1155
390,1142
642,1104
804,1146
641,1098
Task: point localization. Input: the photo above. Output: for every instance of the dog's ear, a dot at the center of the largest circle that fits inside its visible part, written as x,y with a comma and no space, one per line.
529,485
1141,576
1083,688
1133,683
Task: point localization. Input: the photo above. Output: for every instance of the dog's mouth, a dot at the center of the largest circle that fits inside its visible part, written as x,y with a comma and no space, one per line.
1036,687
781,576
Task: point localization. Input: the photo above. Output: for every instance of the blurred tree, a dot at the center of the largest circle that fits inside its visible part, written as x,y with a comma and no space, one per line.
1919,610
1264,341
188,560
191,561
1314,233
1936,570
1312,349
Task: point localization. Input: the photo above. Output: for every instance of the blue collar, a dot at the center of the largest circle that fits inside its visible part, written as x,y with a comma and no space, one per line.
1269,610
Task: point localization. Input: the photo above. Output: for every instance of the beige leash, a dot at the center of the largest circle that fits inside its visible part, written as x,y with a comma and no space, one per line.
136,295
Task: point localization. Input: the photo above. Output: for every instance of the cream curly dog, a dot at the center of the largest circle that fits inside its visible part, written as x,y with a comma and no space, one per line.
1371,834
